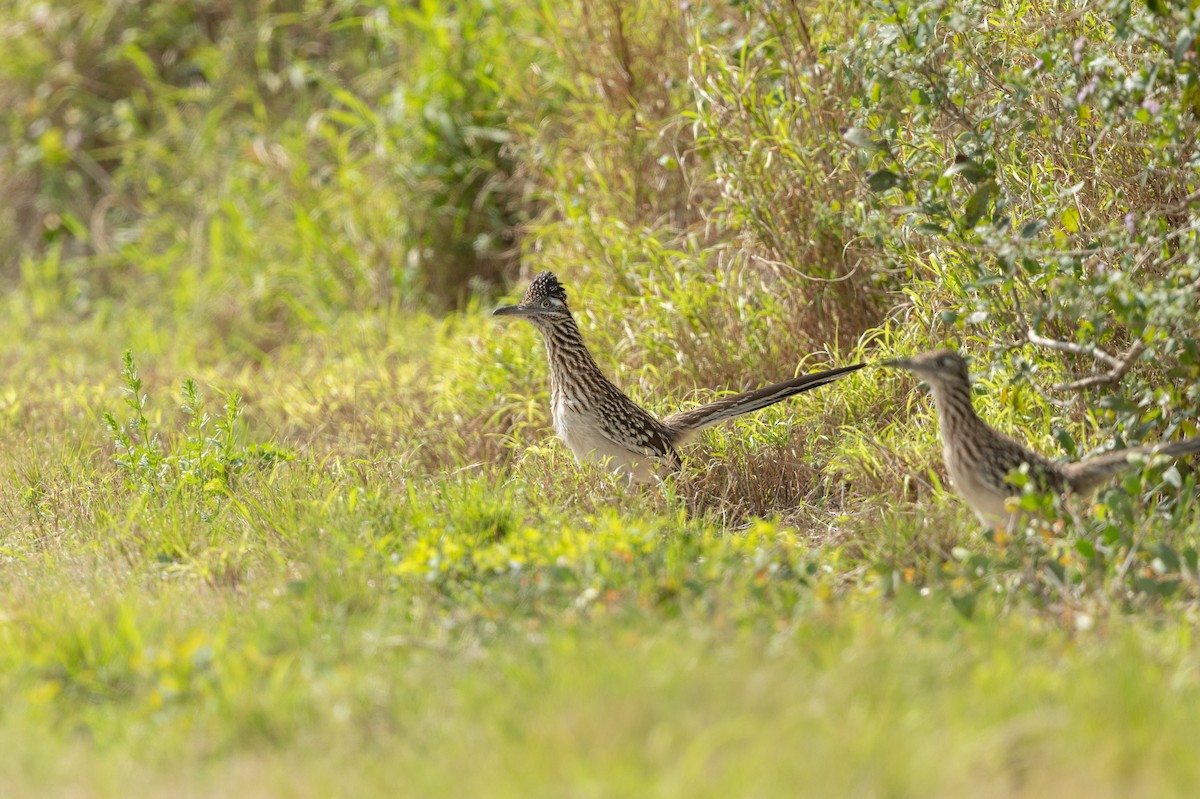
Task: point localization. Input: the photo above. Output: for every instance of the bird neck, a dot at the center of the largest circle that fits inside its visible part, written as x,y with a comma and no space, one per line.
570,360
956,412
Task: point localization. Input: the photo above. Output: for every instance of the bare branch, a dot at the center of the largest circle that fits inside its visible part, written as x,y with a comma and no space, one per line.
1109,378
1075,349
1119,366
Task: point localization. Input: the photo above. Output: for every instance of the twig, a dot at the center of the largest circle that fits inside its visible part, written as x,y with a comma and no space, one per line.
1119,366
1071,347
1108,378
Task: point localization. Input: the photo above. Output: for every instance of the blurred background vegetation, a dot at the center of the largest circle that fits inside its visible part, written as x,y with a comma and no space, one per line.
309,208
763,181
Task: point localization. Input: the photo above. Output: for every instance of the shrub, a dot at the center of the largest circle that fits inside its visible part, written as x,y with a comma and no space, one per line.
1039,168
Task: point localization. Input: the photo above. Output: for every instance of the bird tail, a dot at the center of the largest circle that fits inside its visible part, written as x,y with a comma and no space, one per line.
684,424
1087,476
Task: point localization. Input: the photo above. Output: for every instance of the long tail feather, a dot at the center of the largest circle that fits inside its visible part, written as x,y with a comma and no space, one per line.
686,423
1086,476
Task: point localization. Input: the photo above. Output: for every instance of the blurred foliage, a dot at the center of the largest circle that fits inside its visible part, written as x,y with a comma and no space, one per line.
254,167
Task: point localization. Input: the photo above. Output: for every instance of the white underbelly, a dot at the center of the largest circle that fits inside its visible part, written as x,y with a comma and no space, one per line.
983,497
582,435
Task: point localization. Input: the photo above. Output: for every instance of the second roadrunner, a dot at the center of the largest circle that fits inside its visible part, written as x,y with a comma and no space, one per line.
595,418
980,459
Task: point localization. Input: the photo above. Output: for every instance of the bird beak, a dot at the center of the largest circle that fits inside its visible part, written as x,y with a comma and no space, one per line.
509,310
900,363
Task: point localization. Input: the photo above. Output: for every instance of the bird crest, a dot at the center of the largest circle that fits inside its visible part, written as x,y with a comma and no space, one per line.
544,285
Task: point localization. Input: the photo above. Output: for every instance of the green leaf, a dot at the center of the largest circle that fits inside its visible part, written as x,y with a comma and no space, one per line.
967,169
1168,556
1030,229
978,202
1186,38
1070,219
1065,441
1031,502
53,148
882,179
1117,404
965,605
142,62
1156,587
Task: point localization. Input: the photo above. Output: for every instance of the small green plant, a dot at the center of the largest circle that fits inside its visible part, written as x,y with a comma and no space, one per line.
209,461
138,452
207,458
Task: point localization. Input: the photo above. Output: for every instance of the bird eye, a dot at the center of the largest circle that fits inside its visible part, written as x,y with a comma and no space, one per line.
547,303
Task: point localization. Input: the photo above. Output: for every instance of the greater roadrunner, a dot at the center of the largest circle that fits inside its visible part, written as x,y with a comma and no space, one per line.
597,421
981,459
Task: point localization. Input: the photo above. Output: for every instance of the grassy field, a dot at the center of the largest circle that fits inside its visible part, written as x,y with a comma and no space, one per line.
281,510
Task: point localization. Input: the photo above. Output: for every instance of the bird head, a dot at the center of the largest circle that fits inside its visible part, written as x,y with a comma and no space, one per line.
545,302
939,368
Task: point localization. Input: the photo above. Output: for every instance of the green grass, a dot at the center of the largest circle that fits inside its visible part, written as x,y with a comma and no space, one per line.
298,694
281,511
345,620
